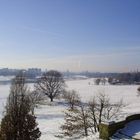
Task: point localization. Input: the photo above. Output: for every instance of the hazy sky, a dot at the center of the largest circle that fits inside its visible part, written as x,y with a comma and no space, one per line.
94,35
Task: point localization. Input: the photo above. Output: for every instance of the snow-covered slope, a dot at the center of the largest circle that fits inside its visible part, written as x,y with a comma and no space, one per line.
50,117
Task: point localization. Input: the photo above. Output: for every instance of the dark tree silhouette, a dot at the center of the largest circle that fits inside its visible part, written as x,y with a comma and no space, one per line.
138,90
51,84
18,122
97,81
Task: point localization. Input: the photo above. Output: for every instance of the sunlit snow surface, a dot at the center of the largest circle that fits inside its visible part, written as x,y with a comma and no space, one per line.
4,92
50,117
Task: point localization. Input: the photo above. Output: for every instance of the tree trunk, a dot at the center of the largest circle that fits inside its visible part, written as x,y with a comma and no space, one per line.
100,113
86,132
51,99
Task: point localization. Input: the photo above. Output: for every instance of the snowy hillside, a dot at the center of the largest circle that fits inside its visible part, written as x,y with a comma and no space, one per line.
50,117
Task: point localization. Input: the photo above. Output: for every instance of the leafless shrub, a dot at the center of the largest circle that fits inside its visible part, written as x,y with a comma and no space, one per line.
36,98
72,98
138,91
97,81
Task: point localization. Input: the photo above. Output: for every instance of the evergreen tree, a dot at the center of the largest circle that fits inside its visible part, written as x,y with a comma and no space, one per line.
76,121
18,122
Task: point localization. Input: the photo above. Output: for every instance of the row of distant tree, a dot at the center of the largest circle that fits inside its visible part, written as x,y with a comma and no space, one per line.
121,78
31,73
128,78
125,78
113,78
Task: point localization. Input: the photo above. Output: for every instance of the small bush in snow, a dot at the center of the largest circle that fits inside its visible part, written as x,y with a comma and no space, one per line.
138,90
71,98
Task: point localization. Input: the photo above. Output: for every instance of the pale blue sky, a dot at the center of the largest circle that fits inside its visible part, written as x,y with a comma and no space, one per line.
94,35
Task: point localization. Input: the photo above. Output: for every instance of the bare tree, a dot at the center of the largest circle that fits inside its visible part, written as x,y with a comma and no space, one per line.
103,81
72,98
92,113
110,80
101,105
97,81
18,122
101,108
36,98
138,90
51,84
85,118
111,110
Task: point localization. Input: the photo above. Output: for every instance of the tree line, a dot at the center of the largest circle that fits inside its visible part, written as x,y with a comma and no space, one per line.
121,78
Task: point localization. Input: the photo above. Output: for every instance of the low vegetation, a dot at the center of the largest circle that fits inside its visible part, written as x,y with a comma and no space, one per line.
138,90
82,119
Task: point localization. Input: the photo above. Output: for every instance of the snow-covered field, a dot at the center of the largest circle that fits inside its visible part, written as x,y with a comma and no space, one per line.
50,117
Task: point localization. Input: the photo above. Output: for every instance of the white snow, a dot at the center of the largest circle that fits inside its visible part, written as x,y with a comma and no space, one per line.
50,117
6,78
4,92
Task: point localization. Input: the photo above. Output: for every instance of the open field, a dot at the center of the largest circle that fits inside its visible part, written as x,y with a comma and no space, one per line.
50,117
